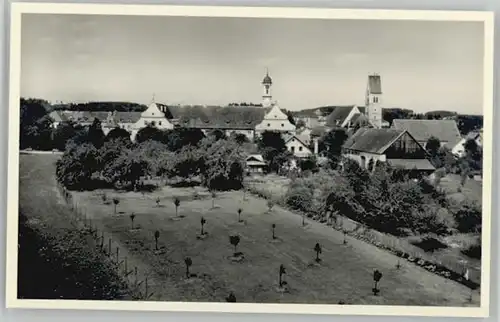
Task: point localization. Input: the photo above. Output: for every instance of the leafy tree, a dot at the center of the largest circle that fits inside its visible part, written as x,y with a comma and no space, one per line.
35,124
300,124
234,240
239,214
333,142
270,205
291,119
132,217
300,195
468,217
177,138
217,134
203,222
177,203
273,149
273,227
116,201
187,162
77,166
149,133
157,236
432,146
61,135
239,138
127,168
376,278
231,298
317,249
223,165
118,133
310,163
188,263
95,134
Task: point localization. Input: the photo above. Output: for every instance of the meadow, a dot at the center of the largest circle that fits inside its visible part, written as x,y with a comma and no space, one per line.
345,273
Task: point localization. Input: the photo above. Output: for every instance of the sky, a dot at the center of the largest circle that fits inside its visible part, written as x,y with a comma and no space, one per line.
214,61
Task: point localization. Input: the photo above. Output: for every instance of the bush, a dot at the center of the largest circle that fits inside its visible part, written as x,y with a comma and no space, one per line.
300,195
468,217
474,250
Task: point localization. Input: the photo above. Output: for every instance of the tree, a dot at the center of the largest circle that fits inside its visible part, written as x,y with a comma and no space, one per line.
127,168
273,227
333,142
116,201
282,272
273,149
310,163
223,165
118,133
203,222
239,138
234,240
432,146
317,249
149,133
468,217
231,298
178,138
61,135
300,124
188,263
217,134
157,236
177,202
270,205
35,124
132,217
376,278
95,133
158,200
213,193
291,119
77,166
239,214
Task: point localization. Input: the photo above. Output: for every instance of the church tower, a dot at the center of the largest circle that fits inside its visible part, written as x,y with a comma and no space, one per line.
267,82
373,101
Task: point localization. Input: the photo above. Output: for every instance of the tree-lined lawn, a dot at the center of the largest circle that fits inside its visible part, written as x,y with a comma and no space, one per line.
345,272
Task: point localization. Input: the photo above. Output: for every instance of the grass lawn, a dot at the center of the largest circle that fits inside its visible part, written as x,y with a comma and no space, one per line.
471,190
345,273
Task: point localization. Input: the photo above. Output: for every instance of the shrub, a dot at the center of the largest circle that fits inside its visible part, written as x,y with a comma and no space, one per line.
468,217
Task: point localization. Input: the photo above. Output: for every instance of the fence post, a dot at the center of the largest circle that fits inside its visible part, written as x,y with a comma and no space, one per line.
102,240
125,266
117,255
146,293
135,273
109,247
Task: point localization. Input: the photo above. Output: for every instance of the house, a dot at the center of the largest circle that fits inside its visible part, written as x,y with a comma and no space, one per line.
304,134
255,163
370,146
422,130
294,145
459,148
152,116
343,115
57,118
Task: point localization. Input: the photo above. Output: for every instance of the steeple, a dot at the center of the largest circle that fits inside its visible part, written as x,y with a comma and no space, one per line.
267,82
373,100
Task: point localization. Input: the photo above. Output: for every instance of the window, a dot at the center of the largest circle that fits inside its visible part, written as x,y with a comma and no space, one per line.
282,125
153,123
300,148
375,99
268,124
292,149
159,123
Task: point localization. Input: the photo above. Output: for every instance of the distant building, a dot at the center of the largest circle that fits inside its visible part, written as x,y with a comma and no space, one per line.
255,163
298,148
152,116
422,130
459,148
370,146
275,120
373,101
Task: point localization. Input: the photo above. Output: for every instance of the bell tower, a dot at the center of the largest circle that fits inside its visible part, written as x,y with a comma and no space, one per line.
267,82
373,101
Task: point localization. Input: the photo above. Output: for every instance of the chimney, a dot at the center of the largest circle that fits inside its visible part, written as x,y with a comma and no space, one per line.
315,146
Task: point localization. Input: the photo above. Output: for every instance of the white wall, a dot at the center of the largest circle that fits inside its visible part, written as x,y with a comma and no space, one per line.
298,149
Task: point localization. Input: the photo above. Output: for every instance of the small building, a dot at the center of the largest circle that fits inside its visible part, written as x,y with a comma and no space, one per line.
152,116
398,148
422,130
275,120
255,163
296,146
459,148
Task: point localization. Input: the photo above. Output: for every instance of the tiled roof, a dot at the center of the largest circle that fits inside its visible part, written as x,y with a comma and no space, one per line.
255,157
410,164
229,117
319,131
445,130
374,84
339,115
372,140
85,116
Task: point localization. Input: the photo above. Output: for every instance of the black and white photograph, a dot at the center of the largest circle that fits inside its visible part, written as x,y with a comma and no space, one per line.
230,158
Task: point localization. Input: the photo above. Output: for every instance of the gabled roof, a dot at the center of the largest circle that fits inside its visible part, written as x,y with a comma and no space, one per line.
372,140
445,130
288,137
374,84
339,115
229,117
255,157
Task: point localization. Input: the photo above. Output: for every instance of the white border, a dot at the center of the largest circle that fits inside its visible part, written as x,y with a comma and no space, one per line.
17,9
